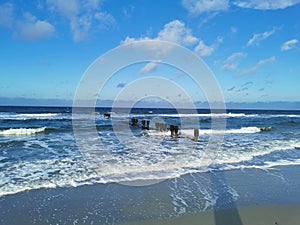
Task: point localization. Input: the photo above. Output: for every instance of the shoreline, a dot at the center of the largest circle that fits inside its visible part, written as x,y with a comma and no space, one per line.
212,197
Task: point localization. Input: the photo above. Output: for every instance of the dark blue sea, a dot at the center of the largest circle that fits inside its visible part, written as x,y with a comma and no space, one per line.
38,148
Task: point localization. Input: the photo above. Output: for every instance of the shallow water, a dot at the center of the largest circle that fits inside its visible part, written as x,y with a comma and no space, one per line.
38,148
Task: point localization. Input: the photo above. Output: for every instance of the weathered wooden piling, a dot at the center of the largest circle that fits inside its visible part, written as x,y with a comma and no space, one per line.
143,124
196,134
134,122
106,115
162,127
172,129
176,131
156,126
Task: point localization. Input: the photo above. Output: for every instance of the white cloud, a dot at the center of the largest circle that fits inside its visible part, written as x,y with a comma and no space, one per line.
235,56
257,38
150,67
288,45
159,48
178,33
231,63
229,67
80,27
6,15
67,9
257,66
92,4
84,16
25,27
35,30
104,20
266,4
174,31
197,7
204,50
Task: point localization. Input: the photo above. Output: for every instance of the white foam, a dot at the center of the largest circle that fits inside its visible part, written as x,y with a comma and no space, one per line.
22,131
39,114
284,115
143,163
244,130
28,116
190,132
226,115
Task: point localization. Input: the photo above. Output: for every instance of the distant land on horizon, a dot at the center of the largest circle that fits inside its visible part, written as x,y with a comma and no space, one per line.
275,105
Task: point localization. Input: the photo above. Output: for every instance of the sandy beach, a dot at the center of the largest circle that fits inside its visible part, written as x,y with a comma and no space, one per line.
251,196
253,215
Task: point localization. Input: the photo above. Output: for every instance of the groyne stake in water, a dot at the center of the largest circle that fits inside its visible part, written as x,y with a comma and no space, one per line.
196,134
134,122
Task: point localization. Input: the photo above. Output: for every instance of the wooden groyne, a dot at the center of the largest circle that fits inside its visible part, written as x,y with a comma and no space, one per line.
161,127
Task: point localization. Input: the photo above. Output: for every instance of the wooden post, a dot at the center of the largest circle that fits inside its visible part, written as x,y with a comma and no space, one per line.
196,134
176,131
156,126
172,129
164,127
143,124
161,127
134,122
106,115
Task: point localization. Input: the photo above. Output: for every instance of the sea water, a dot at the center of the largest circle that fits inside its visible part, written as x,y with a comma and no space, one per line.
38,149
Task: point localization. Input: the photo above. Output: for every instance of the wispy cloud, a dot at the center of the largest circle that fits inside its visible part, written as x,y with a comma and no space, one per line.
206,50
30,28
84,16
233,30
257,38
128,11
256,67
150,67
265,4
288,45
26,26
235,56
229,67
6,15
197,7
231,63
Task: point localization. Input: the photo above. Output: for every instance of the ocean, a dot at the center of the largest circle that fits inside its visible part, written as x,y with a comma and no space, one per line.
39,151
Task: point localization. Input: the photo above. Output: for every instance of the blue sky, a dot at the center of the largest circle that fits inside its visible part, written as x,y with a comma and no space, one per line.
251,46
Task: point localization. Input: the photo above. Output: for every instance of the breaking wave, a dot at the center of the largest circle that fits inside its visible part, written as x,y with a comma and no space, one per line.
22,131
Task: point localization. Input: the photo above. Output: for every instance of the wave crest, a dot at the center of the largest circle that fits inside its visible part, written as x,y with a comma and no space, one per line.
22,131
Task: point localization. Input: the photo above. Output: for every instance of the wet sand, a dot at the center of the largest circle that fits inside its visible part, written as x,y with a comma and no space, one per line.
254,215
238,197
